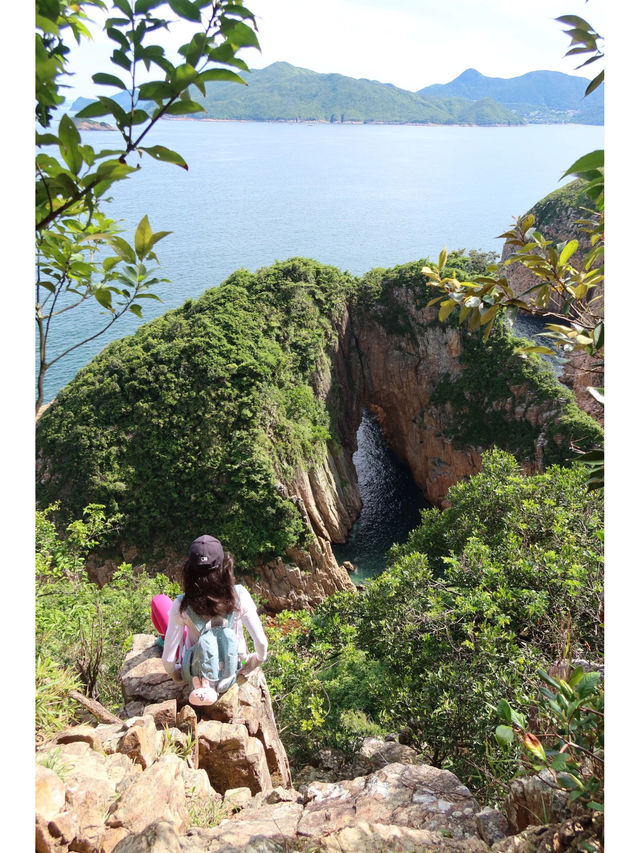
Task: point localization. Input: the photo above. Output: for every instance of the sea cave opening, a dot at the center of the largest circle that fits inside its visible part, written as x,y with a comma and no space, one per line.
391,503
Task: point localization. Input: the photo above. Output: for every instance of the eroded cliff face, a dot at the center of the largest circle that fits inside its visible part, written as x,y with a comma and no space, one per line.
394,357
395,374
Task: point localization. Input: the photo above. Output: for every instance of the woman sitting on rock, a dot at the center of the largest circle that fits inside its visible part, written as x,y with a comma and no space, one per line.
204,642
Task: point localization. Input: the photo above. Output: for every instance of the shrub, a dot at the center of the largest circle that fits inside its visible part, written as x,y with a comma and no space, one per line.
54,709
81,627
505,581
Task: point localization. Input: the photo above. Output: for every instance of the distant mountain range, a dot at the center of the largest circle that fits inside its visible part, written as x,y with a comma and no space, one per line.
539,96
283,92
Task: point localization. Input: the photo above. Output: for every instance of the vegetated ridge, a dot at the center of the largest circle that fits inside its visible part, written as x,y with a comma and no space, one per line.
539,97
284,92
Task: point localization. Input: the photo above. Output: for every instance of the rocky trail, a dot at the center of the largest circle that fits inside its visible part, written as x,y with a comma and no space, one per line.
169,780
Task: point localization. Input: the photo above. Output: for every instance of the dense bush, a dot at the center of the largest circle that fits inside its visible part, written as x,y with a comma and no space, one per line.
188,424
507,580
83,631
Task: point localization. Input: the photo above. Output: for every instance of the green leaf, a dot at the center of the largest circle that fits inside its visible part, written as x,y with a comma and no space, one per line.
504,735
537,349
69,140
123,249
588,684
185,9
46,139
527,222
598,335
239,34
157,90
143,6
442,258
96,109
215,74
593,85
590,161
567,252
159,152
137,310
240,11
569,782
103,296
573,21
185,74
504,710
124,7
120,58
181,108
116,35
559,762
142,237
108,80
445,309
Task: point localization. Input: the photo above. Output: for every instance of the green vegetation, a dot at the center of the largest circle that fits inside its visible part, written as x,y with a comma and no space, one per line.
540,97
190,423
571,196
82,630
283,92
482,398
572,716
508,579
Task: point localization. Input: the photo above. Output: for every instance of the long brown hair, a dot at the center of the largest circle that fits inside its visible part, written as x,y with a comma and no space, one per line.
209,589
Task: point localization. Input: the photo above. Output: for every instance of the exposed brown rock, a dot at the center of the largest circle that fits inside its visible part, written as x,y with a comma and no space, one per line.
232,758
535,800
50,793
247,704
156,794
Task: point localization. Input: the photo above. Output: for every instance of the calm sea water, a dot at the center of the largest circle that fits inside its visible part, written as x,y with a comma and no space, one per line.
391,503
355,196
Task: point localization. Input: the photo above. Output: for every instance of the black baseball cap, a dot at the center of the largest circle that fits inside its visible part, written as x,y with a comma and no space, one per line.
207,551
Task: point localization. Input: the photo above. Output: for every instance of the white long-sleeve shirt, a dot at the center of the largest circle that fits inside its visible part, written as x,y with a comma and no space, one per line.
247,617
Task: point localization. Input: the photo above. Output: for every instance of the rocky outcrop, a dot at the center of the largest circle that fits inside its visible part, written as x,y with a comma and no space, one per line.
395,374
238,740
93,801
170,782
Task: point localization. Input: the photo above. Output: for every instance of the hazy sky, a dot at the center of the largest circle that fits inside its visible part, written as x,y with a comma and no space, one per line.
410,43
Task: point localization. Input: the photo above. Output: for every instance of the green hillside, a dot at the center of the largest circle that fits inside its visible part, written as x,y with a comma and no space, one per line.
539,96
283,92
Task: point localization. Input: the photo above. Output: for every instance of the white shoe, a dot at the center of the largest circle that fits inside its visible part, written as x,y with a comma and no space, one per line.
202,693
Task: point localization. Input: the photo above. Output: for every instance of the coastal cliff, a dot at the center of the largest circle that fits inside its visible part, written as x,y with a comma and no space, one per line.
238,414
